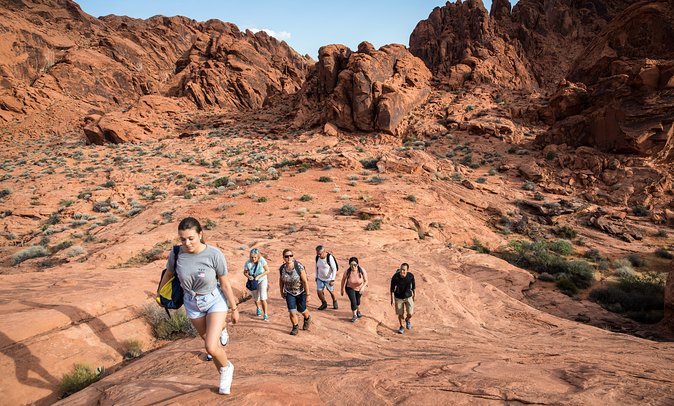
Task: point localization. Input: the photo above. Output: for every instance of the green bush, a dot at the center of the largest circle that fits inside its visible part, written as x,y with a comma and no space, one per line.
219,182
636,260
325,179
538,256
348,210
411,198
81,376
132,349
663,253
34,251
562,247
566,232
641,211
640,297
374,225
369,163
567,286
305,198
62,245
165,328
262,199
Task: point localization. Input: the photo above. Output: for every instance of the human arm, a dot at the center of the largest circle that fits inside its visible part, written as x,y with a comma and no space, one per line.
266,271
226,288
413,287
364,284
393,288
280,284
343,283
333,269
305,283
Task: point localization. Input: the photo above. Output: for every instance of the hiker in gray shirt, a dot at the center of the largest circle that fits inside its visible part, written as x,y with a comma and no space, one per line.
200,267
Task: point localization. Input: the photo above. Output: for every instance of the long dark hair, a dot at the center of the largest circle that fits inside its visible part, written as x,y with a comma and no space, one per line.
190,223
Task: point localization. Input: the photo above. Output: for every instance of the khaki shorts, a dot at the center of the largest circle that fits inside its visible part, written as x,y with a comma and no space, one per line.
401,304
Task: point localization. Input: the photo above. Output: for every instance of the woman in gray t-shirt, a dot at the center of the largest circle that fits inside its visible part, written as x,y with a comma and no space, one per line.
202,270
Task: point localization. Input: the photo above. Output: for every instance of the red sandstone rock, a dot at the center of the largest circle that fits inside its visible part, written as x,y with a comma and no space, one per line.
367,90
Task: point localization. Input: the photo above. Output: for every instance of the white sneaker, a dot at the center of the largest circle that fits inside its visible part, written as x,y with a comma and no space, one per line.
226,377
224,337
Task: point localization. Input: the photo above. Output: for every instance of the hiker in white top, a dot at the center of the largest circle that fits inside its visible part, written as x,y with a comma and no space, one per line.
202,270
326,271
256,269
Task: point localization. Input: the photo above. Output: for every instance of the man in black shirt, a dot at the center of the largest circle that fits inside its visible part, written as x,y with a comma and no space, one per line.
402,289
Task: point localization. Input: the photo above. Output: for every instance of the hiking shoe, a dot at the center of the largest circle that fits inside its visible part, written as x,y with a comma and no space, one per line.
209,357
307,323
258,312
224,337
265,318
401,330
226,377
323,306
295,330
354,318
359,314
334,305
408,324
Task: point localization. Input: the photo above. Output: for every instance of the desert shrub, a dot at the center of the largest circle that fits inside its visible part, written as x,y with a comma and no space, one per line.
62,245
481,180
546,277
374,225
325,179
562,247
640,297
34,251
364,216
641,211
529,185
348,210
220,182
566,232
79,378
134,211
377,180
132,348
636,260
4,193
102,206
593,254
537,256
165,328
210,224
663,253
661,234
538,196
55,218
153,254
411,198
369,163
567,286
75,251
479,247
305,198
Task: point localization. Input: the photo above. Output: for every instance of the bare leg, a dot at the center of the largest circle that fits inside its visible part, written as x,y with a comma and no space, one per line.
264,306
214,323
321,295
293,318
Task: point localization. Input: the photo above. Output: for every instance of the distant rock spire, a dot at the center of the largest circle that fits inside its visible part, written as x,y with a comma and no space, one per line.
500,9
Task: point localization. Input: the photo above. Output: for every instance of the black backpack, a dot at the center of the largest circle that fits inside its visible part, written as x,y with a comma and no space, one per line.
327,259
171,294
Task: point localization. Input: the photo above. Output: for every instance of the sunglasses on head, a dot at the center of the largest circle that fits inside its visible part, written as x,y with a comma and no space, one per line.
288,256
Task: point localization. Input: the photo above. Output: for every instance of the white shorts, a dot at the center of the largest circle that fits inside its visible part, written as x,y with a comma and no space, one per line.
261,292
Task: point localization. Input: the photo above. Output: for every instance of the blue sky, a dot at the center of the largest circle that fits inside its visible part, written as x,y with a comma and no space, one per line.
304,25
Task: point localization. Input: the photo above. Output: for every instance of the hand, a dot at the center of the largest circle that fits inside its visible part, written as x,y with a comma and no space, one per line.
332,283
257,278
342,293
283,295
362,289
235,316
391,302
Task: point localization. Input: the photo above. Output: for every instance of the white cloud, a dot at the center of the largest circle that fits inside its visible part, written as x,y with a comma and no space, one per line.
281,36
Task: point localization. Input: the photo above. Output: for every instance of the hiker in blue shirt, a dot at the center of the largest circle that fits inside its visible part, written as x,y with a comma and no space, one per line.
256,269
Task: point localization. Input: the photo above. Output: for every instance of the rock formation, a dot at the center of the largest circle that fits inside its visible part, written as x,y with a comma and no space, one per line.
624,101
73,65
460,41
367,90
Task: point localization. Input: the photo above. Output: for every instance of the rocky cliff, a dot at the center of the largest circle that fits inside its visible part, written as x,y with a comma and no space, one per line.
59,58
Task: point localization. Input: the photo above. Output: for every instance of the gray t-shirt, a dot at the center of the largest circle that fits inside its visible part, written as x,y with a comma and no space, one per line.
198,272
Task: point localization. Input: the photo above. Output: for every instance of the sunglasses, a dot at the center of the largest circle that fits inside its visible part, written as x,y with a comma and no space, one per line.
353,264
288,256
